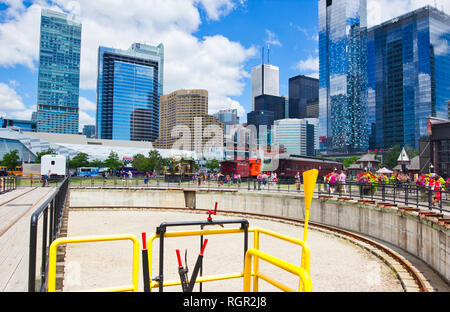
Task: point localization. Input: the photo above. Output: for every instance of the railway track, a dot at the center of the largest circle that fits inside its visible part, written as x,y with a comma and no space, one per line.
411,279
27,208
16,197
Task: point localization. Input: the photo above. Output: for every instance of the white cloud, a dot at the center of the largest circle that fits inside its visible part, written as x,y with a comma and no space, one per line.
217,8
86,105
9,99
379,11
311,64
272,38
214,63
85,119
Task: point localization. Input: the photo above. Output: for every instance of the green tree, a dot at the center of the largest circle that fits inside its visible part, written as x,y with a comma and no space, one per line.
212,165
155,161
11,159
140,162
79,160
50,151
96,163
113,162
349,161
393,154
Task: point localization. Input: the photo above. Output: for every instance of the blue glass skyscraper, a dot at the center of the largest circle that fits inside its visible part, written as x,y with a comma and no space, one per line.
343,125
59,73
129,85
408,75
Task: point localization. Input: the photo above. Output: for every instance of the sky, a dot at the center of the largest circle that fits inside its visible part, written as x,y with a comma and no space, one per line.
208,44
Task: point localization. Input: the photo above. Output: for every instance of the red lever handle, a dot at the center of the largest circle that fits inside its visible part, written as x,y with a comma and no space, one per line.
203,247
144,241
180,265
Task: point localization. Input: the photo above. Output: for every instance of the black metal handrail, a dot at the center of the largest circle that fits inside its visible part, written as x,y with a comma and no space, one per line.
52,211
401,193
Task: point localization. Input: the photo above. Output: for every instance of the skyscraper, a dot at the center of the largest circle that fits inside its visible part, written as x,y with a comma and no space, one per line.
408,75
59,73
298,136
275,104
129,85
265,80
187,108
343,75
303,97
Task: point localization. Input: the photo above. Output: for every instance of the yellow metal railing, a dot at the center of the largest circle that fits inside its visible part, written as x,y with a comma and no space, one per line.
304,283
302,271
135,272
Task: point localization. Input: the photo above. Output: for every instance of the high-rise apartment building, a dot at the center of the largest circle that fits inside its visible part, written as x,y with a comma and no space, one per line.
265,80
343,76
187,109
408,76
303,97
129,85
59,73
89,131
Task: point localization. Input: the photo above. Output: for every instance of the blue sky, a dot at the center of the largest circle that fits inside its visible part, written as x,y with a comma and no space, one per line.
210,44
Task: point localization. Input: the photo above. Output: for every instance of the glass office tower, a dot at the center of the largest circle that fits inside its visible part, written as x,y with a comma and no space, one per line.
128,89
275,104
343,126
408,69
303,97
59,73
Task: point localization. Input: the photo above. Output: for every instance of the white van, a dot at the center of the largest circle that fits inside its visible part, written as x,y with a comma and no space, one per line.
54,166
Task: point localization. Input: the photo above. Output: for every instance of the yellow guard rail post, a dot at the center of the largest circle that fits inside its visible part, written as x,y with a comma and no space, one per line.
305,284
135,273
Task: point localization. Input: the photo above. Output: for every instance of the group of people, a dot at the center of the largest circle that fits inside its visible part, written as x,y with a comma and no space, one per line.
265,178
341,182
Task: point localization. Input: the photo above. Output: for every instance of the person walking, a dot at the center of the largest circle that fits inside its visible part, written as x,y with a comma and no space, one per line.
342,182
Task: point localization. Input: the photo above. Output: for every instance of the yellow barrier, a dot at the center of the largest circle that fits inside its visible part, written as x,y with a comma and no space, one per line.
60,241
306,284
305,260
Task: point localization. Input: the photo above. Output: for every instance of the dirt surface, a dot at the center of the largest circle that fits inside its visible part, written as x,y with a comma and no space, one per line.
336,265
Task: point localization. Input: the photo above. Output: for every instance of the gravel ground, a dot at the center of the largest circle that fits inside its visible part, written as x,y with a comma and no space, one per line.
336,265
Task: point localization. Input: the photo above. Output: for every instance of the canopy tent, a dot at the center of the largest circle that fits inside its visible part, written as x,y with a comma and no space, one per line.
385,171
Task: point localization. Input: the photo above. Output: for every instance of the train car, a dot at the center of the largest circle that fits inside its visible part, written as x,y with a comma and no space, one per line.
290,165
247,169
231,166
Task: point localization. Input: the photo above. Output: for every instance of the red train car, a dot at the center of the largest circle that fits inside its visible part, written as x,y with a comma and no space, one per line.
230,167
247,169
289,165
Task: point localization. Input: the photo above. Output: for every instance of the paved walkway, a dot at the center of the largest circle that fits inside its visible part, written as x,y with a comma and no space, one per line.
16,208
336,265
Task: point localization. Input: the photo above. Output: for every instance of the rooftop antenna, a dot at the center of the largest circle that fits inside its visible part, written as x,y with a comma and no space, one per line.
262,55
268,54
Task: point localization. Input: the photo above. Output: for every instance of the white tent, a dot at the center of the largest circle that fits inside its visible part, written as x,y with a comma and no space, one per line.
385,171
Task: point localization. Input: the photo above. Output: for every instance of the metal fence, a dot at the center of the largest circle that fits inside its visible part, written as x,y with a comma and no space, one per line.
8,184
402,194
44,227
